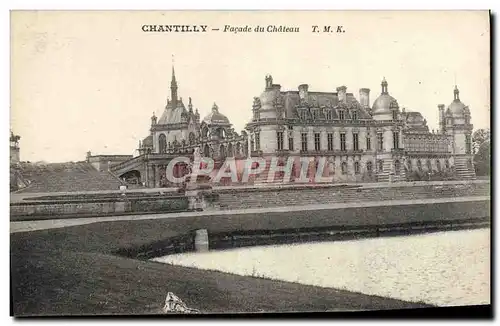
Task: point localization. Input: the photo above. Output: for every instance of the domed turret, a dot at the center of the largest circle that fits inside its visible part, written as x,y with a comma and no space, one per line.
456,108
385,103
215,117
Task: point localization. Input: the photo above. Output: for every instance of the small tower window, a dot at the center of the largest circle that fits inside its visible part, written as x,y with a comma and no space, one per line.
394,115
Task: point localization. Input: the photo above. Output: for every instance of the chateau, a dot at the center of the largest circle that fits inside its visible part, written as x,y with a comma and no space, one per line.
362,142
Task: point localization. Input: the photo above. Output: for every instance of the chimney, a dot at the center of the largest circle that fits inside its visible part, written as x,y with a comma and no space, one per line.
303,89
341,93
442,124
364,97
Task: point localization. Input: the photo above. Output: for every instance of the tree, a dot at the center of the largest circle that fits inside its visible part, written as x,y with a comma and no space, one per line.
482,159
479,137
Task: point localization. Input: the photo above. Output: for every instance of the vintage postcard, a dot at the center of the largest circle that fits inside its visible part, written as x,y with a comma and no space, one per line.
223,162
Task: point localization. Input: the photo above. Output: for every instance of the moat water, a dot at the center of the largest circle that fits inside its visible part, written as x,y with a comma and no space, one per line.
445,268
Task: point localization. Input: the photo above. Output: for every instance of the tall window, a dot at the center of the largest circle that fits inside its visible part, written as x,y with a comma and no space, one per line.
342,141
447,164
395,139
329,115
419,165
354,115
315,114
162,144
356,168
290,143
380,141
317,142
341,114
279,136
304,141
397,167
394,115
257,141
429,166
330,141
355,142
438,165
368,143
468,144
344,167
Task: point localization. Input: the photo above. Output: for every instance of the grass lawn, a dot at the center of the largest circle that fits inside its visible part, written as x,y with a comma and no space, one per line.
73,271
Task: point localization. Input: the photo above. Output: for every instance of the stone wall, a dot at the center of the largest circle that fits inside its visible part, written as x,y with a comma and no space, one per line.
50,209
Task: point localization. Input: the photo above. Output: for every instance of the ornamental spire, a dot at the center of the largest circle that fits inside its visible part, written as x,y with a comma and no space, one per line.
173,84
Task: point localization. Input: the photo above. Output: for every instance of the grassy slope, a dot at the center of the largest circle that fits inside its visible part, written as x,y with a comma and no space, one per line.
73,271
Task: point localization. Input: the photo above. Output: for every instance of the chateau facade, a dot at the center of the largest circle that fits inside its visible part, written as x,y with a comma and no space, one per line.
361,141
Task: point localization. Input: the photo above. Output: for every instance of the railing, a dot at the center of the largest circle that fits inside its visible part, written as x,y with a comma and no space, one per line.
333,152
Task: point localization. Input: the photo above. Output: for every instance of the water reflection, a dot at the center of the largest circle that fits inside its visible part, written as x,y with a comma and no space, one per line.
446,268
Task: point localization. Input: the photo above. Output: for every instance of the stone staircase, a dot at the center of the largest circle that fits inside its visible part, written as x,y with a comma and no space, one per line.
330,195
387,174
66,177
462,169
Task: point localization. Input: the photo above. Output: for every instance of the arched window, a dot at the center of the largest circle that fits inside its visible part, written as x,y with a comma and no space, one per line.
438,165
356,167
397,167
419,165
429,166
221,133
222,151
206,151
344,167
230,150
380,166
238,149
369,167
162,144
204,131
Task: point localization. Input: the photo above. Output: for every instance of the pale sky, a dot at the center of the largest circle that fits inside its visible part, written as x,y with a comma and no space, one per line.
91,80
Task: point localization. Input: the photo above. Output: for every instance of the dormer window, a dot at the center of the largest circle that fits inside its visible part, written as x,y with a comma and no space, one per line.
354,115
341,115
303,114
329,115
